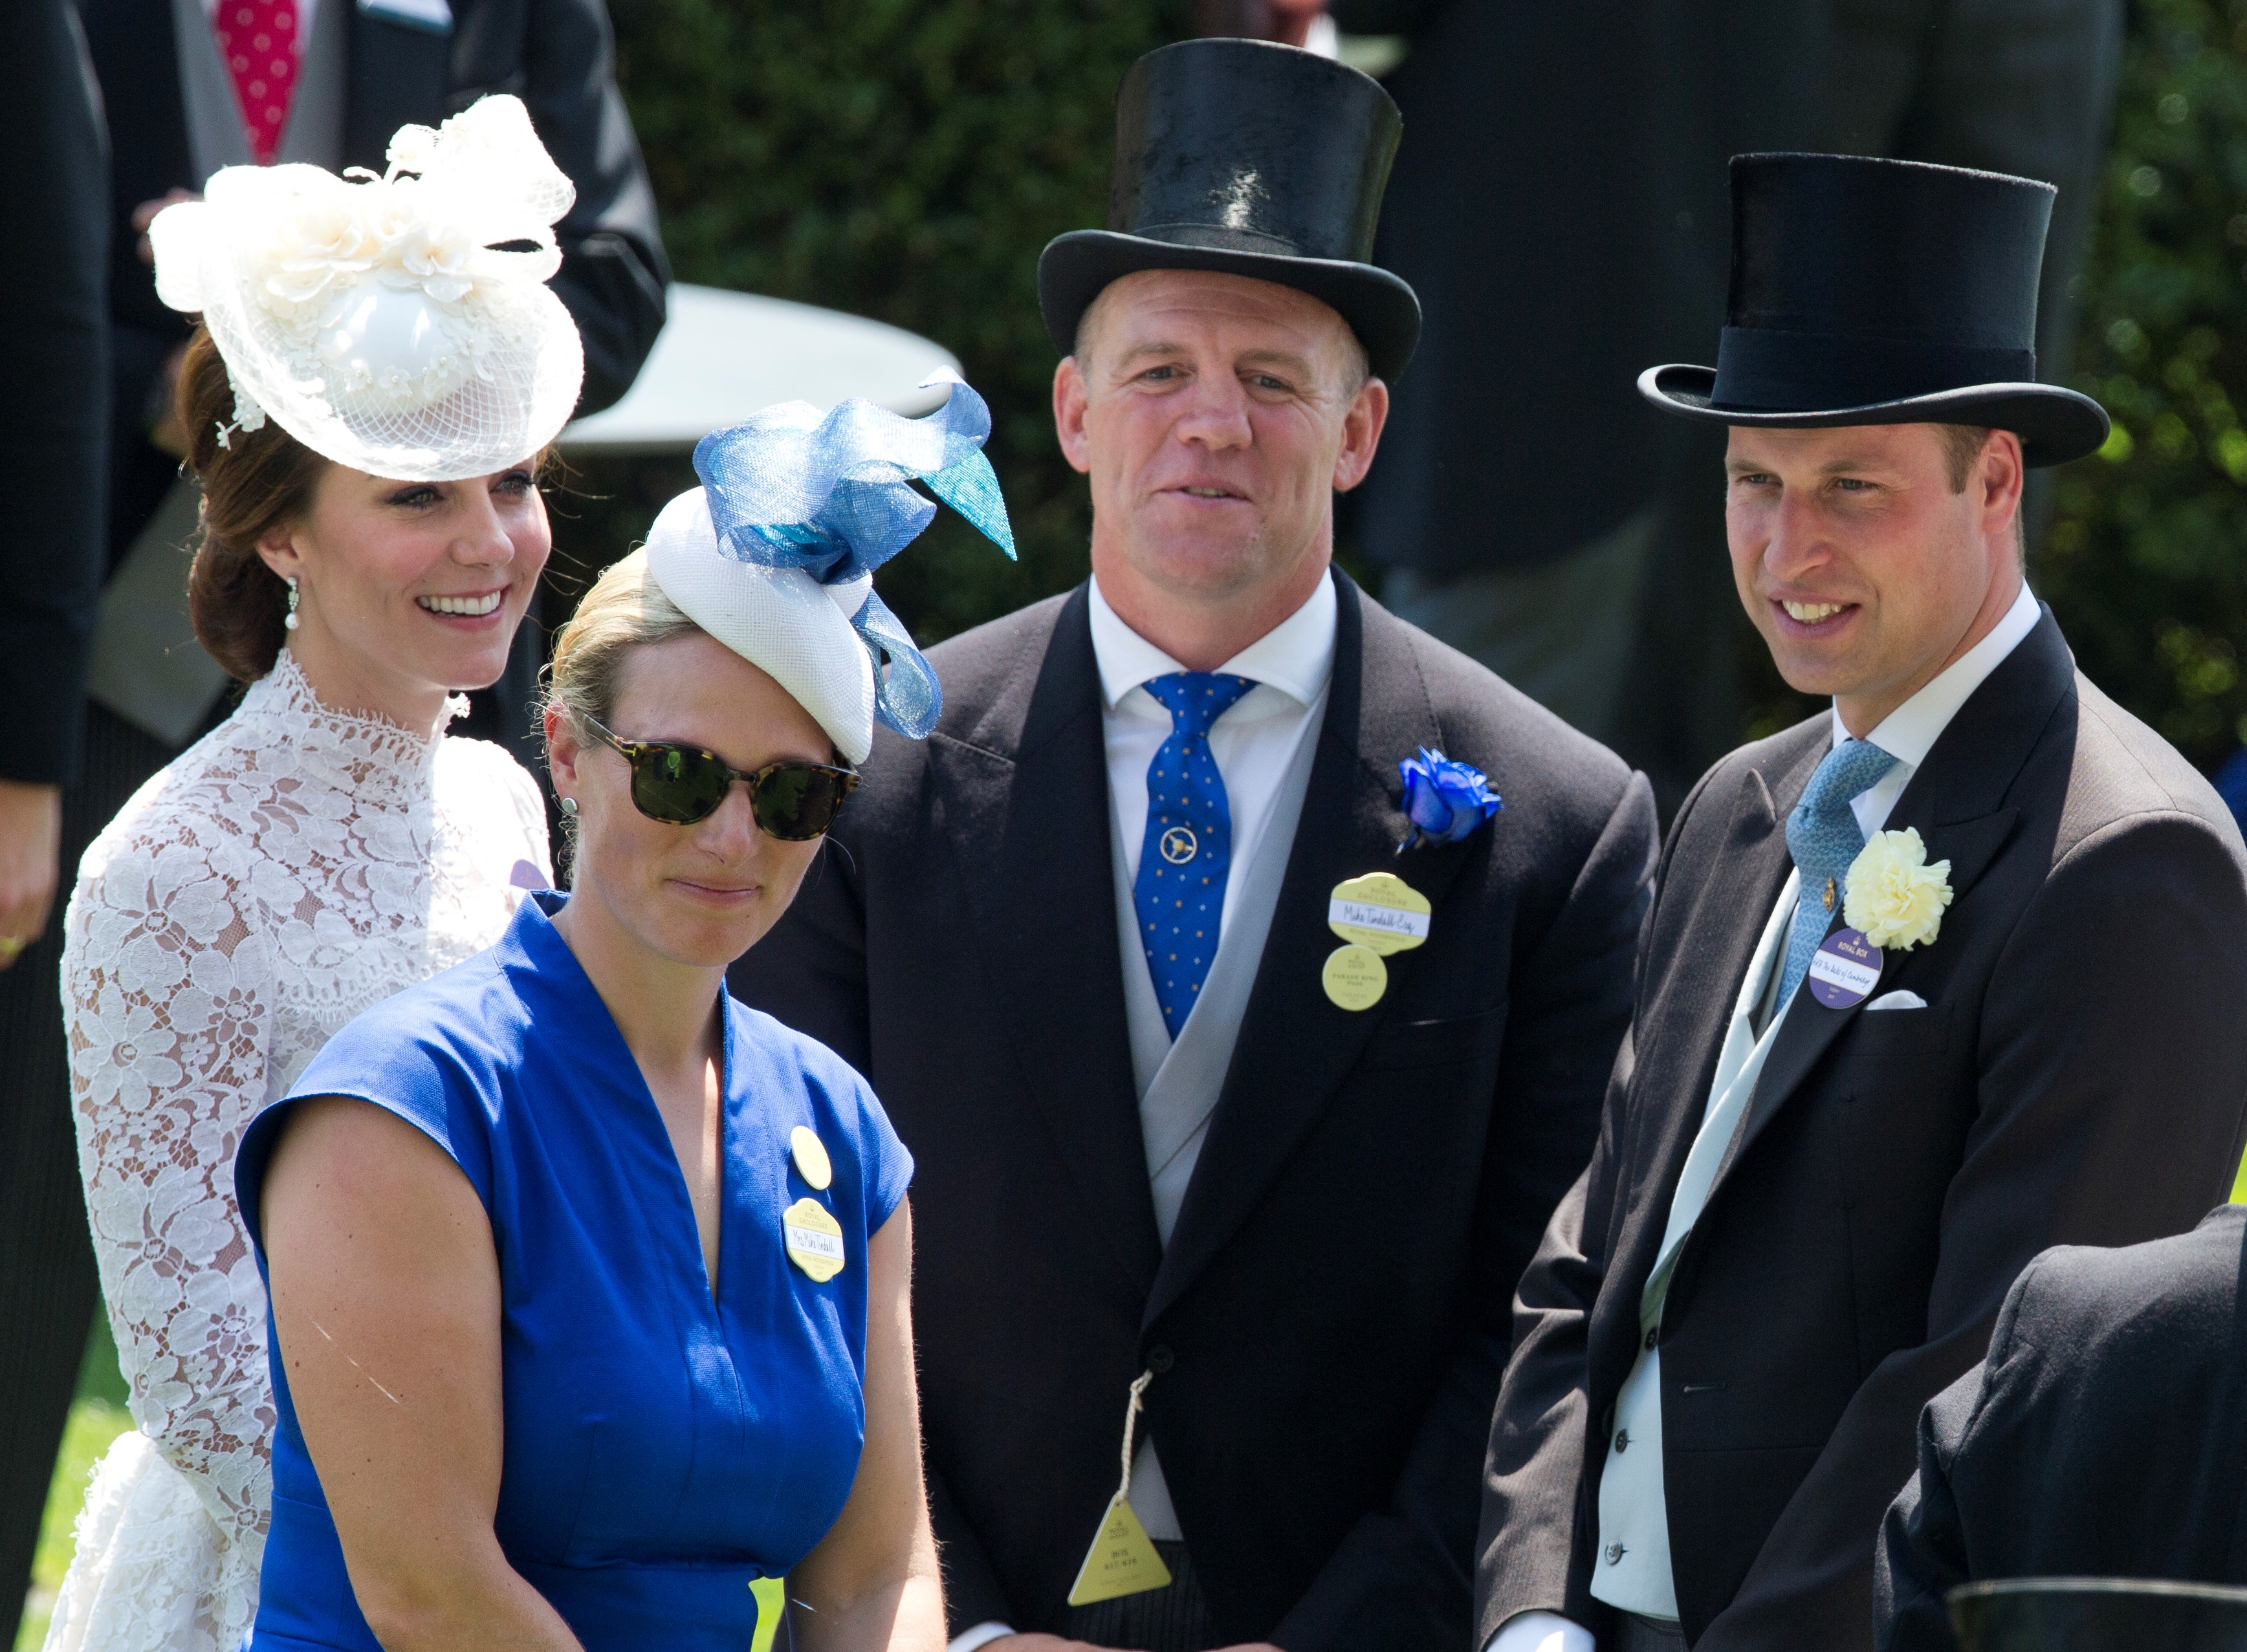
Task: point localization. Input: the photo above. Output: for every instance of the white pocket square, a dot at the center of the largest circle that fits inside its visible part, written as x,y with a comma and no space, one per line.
1899,999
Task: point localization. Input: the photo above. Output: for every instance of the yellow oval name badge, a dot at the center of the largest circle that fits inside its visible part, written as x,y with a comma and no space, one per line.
814,1239
1376,915
810,1155
1379,911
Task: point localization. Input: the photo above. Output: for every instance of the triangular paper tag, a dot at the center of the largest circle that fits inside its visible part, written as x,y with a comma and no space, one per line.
1121,1561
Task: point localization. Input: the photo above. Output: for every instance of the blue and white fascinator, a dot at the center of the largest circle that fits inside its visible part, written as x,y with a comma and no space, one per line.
774,553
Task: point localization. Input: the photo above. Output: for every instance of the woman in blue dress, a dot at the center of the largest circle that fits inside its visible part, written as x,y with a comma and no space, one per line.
590,1285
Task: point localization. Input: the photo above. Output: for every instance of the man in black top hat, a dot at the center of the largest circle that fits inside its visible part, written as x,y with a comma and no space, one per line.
1184,1139
1931,981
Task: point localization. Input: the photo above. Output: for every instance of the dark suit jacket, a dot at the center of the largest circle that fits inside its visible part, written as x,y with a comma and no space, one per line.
54,389
1328,1320
2079,1075
557,55
2102,1438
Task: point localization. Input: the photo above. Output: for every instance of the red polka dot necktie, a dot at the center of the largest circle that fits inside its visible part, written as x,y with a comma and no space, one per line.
1187,849
257,39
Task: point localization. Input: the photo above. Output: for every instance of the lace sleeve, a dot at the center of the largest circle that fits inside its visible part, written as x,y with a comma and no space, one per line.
529,817
167,988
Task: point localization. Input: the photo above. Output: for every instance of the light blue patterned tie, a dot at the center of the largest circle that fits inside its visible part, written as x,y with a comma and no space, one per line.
1188,847
1823,835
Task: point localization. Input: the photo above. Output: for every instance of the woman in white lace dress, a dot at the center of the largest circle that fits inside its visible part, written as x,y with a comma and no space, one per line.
369,546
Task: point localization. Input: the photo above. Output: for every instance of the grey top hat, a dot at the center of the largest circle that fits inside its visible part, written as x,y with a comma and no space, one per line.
1883,292
1249,158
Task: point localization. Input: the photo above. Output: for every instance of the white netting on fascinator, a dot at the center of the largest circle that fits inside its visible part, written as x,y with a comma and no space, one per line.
377,319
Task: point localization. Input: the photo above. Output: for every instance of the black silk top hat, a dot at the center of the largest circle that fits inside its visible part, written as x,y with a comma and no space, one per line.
2098,1615
1252,160
1883,292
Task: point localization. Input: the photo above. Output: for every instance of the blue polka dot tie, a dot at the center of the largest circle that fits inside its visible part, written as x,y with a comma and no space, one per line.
1823,836
1188,847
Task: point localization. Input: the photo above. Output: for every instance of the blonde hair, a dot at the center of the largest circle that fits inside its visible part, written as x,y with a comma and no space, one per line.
625,609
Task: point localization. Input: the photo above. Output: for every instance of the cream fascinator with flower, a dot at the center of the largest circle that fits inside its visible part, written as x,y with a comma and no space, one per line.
376,320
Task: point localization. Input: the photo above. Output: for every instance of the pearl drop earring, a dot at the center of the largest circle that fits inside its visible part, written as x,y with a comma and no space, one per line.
570,806
289,622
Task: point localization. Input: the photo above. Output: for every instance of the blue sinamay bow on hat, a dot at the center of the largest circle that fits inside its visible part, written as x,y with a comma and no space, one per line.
830,495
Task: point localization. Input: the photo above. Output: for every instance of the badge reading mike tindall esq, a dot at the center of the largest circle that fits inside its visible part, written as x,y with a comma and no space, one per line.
814,1239
1375,915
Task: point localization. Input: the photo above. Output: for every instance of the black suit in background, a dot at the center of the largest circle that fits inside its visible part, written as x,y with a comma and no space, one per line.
1559,204
2078,1074
555,55
2102,1438
54,388
54,409
1329,1320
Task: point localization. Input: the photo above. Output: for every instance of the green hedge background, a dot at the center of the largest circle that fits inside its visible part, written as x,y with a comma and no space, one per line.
2144,563
906,159
899,159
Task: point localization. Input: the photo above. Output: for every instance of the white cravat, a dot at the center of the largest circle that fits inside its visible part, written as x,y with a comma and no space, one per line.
1259,745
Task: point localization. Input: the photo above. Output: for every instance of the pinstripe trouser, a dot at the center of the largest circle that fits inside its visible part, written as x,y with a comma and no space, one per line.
1168,1619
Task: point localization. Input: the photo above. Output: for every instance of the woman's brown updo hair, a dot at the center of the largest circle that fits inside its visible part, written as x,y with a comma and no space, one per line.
259,481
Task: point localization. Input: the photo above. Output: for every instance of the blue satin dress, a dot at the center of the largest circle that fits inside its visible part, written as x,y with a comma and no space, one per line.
663,1450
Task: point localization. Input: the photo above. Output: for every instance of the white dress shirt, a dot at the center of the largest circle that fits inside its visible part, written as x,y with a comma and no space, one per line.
1259,743
1633,1513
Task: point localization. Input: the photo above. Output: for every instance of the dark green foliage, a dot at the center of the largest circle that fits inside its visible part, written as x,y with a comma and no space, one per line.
899,159
907,158
2145,562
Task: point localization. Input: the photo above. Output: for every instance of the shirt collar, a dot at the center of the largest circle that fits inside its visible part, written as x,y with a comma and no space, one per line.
1910,732
1296,657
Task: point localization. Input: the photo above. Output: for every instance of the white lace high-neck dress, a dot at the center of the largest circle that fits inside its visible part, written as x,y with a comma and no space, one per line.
291,869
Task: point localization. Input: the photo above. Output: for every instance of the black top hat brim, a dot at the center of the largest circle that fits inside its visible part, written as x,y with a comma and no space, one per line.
1379,307
2054,423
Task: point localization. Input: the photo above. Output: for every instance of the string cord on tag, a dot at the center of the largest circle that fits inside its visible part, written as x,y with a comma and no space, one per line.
1131,1424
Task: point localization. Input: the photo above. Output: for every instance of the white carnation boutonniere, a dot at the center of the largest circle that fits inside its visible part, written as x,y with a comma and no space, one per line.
1892,895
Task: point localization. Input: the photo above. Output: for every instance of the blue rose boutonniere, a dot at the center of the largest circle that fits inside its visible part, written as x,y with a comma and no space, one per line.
1445,800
